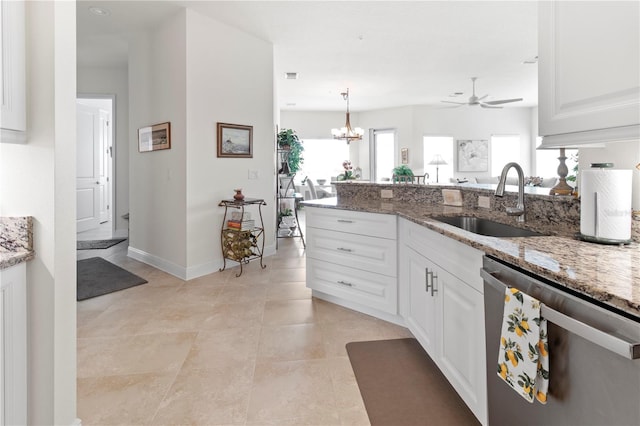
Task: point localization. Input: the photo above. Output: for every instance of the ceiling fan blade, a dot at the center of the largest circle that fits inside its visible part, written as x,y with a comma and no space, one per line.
484,105
482,97
451,102
503,101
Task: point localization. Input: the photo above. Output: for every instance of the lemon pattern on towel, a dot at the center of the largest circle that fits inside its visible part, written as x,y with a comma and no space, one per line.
523,357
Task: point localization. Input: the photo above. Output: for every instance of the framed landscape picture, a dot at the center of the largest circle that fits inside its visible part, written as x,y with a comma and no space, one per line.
235,141
153,138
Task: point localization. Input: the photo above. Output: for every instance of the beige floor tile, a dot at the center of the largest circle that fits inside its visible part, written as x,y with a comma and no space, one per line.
289,390
337,334
173,318
242,292
122,400
224,346
291,342
330,312
116,322
325,419
133,354
234,315
283,312
354,417
215,396
288,291
288,275
293,261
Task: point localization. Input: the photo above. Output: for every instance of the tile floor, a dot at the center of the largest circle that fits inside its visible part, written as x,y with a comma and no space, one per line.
220,350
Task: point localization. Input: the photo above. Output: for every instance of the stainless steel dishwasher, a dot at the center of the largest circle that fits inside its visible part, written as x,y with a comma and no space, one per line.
593,353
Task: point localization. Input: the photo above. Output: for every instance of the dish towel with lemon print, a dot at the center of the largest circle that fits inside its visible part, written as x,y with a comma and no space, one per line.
523,358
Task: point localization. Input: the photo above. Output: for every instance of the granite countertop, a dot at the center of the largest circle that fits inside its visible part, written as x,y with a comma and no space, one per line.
16,240
607,273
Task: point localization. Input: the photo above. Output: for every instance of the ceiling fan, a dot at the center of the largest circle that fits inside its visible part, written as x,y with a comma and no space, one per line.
474,100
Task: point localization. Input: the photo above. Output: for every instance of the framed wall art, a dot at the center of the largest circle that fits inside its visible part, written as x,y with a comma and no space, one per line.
235,141
473,155
404,155
154,138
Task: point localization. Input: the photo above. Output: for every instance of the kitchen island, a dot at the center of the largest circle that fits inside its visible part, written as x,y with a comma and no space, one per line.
605,273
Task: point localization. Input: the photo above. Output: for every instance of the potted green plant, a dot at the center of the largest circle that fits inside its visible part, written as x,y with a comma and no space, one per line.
289,141
402,170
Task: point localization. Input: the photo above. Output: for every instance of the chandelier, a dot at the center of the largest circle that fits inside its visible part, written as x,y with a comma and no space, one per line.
347,133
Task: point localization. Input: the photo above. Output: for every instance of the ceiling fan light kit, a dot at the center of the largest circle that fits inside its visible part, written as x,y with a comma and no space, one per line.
475,100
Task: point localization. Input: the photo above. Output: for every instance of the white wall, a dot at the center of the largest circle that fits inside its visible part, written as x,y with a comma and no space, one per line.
215,74
113,80
412,123
157,185
38,179
229,80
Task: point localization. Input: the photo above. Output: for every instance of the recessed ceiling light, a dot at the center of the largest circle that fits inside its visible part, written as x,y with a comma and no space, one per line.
291,75
99,11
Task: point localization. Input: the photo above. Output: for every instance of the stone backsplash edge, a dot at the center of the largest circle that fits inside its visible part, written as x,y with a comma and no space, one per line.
559,215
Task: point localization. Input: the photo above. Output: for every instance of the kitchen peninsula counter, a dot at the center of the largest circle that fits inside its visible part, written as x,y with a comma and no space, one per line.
609,274
16,241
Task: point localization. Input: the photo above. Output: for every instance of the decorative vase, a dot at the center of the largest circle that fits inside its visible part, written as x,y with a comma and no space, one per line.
239,196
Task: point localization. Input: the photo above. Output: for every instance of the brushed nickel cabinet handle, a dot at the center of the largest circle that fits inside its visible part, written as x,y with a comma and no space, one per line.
345,283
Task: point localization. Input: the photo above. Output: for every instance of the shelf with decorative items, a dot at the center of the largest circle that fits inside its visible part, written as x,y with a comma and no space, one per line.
241,237
289,160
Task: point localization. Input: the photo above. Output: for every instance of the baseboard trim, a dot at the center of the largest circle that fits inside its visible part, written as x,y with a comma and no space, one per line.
157,262
190,272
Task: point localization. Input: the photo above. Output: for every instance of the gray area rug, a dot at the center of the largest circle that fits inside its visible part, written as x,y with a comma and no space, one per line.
97,276
98,244
401,385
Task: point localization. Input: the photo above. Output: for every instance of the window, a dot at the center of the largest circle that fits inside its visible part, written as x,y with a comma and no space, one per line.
383,154
504,149
322,158
442,146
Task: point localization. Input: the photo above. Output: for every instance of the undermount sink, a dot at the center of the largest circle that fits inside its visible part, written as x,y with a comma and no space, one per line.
486,227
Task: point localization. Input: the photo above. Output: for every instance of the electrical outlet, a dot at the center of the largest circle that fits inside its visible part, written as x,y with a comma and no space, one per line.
484,202
253,174
386,193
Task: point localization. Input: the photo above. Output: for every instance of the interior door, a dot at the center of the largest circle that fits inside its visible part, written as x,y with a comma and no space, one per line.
104,171
89,179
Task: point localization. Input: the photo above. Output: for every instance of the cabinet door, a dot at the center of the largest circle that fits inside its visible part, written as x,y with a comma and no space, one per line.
421,314
462,348
12,70
589,73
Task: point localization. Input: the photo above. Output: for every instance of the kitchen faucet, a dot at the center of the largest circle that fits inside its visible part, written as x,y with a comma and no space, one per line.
518,210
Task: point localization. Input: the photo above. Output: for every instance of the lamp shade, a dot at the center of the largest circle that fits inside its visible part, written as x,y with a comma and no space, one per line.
437,161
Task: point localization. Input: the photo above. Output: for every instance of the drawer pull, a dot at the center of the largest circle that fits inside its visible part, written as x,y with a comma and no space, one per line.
345,283
345,221
344,249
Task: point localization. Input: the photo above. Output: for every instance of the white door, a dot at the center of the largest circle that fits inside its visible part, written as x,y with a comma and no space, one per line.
91,176
104,171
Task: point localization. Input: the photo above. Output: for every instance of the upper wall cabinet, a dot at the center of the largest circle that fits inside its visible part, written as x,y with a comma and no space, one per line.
13,112
588,72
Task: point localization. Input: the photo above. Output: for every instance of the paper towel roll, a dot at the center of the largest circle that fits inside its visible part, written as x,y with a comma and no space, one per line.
605,204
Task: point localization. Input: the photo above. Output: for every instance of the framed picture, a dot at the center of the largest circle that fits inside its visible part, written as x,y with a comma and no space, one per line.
404,154
235,141
473,155
153,138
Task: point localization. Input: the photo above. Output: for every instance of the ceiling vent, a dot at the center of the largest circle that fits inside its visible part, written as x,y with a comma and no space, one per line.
291,75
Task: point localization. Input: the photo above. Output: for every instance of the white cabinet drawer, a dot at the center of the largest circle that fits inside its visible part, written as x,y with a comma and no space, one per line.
366,288
357,251
459,259
372,224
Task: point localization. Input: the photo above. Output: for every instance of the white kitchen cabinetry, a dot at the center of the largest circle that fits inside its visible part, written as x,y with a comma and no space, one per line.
13,111
444,308
352,260
13,345
588,72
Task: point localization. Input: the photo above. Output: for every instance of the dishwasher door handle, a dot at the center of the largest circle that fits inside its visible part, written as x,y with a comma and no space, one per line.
629,350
